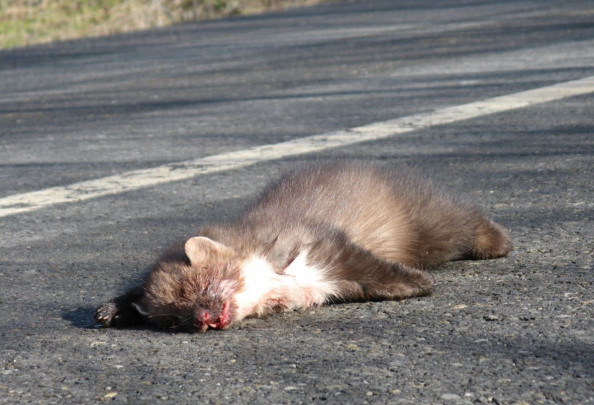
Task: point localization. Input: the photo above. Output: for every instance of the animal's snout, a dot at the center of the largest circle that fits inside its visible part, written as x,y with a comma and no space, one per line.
202,319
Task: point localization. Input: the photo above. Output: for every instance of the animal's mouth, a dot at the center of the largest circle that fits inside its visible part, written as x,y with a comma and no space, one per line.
224,318
204,321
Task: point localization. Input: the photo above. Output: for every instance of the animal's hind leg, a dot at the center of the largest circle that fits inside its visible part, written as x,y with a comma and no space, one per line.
395,281
490,240
360,275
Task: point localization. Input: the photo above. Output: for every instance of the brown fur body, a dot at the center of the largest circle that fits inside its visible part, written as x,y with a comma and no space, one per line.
367,232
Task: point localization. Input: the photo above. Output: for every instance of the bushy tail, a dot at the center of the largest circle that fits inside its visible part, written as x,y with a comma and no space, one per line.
491,240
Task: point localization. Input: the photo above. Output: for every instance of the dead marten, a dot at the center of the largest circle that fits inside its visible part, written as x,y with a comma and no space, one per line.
333,232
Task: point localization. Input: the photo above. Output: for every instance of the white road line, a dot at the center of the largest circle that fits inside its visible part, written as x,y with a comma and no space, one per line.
136,179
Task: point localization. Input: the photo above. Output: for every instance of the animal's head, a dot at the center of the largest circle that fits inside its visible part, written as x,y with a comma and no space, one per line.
193,293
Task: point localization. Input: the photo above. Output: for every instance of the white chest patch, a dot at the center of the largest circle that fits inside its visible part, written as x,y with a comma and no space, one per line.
259,279
306,285
309,277
301,285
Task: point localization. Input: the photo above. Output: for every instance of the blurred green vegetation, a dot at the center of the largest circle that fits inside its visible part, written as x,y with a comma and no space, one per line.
26,22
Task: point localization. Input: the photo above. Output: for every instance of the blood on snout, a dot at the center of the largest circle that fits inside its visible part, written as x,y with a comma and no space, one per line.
202,317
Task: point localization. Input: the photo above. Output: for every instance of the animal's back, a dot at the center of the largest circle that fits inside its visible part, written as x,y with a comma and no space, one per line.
389,212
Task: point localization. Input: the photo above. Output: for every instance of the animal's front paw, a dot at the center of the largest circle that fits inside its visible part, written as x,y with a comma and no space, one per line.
105,314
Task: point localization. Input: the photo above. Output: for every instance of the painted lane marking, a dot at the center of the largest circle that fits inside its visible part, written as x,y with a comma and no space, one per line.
177,171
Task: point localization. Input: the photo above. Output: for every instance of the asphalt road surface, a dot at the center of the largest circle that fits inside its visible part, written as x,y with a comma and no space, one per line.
111,149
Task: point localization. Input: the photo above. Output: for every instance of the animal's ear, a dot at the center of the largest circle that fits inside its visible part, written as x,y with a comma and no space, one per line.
200,249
